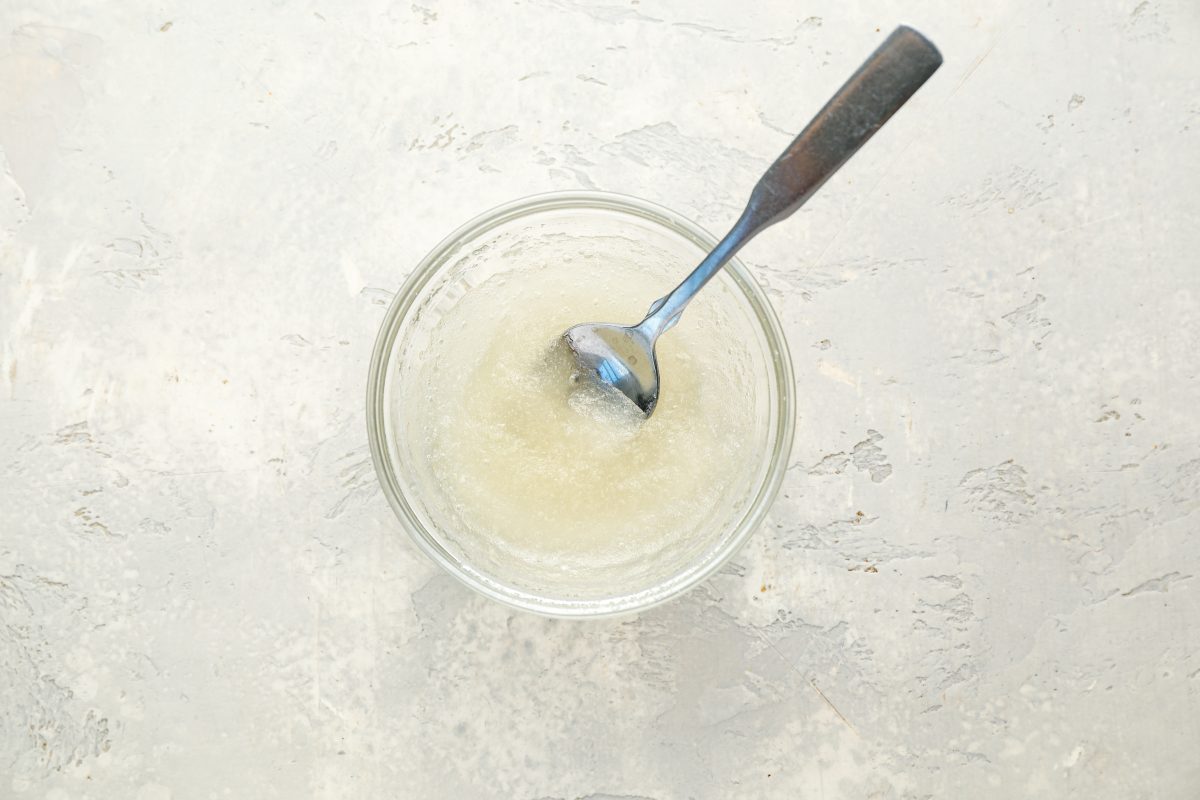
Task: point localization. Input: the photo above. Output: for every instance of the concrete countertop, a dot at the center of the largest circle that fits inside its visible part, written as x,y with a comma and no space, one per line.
982,576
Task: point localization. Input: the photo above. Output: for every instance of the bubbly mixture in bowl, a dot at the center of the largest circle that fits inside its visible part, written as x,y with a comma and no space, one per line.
555,486
560,470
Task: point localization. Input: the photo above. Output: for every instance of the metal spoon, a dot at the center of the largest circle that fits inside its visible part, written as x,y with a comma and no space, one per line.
624,356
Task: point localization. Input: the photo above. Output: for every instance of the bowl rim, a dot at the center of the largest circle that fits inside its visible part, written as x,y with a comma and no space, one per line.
376,416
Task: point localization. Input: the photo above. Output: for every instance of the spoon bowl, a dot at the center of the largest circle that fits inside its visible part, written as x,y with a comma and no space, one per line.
619,356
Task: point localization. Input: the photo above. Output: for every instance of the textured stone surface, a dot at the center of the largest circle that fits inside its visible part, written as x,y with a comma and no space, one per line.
982,577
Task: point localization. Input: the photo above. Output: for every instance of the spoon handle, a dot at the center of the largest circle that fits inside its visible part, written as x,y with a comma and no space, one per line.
873,94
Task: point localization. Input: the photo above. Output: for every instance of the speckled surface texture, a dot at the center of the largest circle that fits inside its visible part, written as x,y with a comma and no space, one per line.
982,576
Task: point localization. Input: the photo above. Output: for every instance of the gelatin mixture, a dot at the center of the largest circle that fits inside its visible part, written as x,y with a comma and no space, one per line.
560,472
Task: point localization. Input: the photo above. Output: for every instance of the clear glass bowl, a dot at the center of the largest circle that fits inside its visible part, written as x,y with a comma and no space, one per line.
453,267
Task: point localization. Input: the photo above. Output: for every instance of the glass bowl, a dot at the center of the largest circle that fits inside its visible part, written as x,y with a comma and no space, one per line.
651,234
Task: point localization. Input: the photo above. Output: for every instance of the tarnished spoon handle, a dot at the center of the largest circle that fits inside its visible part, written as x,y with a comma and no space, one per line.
873,94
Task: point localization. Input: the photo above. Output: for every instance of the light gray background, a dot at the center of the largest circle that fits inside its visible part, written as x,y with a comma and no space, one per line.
980,579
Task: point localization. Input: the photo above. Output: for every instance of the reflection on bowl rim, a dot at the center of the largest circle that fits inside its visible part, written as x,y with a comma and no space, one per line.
679,582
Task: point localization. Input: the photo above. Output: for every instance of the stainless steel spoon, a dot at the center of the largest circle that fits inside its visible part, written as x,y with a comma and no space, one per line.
624,356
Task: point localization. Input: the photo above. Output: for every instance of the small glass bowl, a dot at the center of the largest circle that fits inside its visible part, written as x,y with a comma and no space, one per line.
438,279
